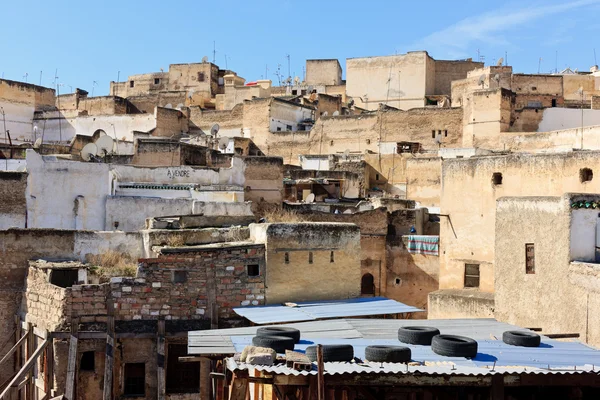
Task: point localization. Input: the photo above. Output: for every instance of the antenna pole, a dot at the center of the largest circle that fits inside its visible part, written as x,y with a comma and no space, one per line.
214,51
506,58
556,62
539,65
117,85
40,78
595,62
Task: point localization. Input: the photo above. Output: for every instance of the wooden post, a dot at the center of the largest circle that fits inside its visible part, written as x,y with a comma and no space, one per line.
49,377
160,360
110,350
239,388
497,391
30,387
18,334
320,373
72,361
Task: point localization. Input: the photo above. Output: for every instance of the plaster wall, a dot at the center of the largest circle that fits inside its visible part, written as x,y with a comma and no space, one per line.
567,118
323,72
423,180
13,205
469,197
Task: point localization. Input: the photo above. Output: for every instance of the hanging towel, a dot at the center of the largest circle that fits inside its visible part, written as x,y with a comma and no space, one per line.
423,244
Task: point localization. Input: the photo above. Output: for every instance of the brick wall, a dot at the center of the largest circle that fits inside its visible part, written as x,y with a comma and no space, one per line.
13,206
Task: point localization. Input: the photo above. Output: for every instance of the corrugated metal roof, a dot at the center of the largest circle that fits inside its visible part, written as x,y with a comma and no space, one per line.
310,311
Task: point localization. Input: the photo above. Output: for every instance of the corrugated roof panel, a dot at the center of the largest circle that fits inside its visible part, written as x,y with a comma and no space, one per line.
308,311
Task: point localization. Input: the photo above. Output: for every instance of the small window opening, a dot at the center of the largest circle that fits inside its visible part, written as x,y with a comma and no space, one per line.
368,141
87,362
331,257
497,178
288,127
253,270
181,377
135,379
398,281
585,175
331,143
278,129
471,275
376,177
156,81
294,92
553,102
310,257
200,76
179,276
533,88
131,84
64,277
529,258
445,132
433,134
287,257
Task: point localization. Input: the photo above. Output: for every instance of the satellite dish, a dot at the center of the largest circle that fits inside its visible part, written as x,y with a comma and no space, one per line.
38,143
22,168
336,113
481,80
205,59
346,154
223,142
310,198
500,62
296,80
169,105
438,139
105,145
214,129
325,114
191,93
89,151
180,106
497,78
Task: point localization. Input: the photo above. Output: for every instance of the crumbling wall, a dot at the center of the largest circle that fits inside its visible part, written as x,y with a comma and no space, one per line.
13,204
263,182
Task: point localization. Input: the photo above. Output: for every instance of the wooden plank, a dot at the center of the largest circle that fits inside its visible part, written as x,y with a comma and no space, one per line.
239,388
160,360
320,373
30,389
18,378
49,370
13,349
109,360
72,361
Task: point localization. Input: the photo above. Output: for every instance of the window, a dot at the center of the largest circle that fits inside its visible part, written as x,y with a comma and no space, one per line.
331,143
87,362
131,84
310,257
398,281
433,134
497,178
529,258
278,129
471,275
156,81
288,127
135,379
201,77
368,141
182,377
253,270
179,276
553,102
287,257
376,177
533,88
445,132
294,92
331,258
64,277
585,175
367,285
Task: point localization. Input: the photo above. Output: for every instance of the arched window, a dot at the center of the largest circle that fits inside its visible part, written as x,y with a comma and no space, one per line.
367,285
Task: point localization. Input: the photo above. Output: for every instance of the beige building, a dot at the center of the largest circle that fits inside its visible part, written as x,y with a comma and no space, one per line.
546,264
323,72
404,81
470,189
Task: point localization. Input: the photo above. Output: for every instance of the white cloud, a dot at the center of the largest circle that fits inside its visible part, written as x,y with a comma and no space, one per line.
456,40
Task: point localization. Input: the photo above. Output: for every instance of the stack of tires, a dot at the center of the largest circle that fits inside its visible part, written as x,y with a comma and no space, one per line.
279,339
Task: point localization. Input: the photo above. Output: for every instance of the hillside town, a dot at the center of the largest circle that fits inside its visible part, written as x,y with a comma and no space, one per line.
383,227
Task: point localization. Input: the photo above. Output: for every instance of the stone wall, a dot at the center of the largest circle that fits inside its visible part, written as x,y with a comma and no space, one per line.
13,204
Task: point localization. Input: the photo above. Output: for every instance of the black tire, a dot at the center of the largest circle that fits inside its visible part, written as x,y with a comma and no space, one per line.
279,331
417,334
278,343
394,354
332,352
454,346
521,338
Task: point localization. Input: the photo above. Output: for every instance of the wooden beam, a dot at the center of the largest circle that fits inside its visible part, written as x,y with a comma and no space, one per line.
13,349
49,370
320,373
19,376
291,380
30,389
160,360
109,359
72,361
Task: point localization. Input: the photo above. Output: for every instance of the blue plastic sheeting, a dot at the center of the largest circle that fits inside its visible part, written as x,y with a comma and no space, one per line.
551,353
310,311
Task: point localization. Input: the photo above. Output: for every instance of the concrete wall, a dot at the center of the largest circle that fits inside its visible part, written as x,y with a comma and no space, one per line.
263,181
303,280
284,114
323,72
567,118
469,197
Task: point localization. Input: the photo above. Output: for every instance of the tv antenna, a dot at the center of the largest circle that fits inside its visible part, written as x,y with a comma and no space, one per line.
214,51
539,65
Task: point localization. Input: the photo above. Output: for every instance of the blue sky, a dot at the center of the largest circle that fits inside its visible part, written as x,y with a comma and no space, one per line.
91,41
